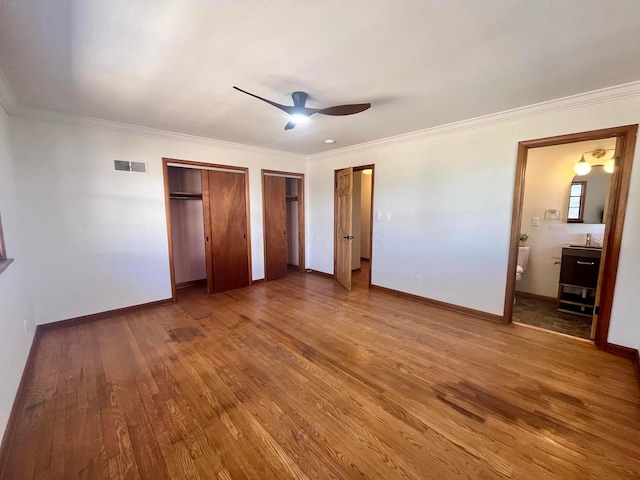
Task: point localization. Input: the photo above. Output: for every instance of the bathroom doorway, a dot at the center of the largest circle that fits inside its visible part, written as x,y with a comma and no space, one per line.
552,290
582,276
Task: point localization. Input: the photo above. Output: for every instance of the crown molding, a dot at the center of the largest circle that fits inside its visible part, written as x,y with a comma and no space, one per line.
100,124
632,89
572,102
12,107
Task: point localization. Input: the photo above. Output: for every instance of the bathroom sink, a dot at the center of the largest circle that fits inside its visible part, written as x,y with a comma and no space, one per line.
591,247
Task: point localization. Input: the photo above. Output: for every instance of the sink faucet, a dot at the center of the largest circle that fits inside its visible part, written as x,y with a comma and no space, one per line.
587,242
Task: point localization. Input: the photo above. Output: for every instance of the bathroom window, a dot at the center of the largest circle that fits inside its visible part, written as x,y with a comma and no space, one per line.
576,202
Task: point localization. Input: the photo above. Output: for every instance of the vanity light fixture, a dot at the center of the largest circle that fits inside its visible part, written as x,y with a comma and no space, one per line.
367,171
610,164
583,167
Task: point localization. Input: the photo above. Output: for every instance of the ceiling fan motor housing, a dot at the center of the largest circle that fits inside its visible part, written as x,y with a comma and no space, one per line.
299,99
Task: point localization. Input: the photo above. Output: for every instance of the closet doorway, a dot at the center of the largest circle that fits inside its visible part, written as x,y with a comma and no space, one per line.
207,208
625,138
283,223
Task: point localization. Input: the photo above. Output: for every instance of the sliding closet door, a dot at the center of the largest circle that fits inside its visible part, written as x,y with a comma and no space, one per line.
225,211
275,226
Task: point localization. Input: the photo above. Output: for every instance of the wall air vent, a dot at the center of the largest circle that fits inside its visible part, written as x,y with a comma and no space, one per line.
126,166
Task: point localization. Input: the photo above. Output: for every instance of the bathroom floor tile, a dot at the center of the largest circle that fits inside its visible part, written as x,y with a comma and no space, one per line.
543,314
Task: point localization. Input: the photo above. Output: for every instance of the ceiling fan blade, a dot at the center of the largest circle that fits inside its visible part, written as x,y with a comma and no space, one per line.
298,110
284,108
345,109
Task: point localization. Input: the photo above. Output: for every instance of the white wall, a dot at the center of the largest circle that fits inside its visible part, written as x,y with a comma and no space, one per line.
293,249
97,239
356,220
548,178
17,322
449,193
365,215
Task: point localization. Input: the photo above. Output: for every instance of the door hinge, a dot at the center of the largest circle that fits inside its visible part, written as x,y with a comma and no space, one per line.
596,310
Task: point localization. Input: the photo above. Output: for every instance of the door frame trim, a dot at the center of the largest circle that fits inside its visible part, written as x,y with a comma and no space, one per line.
301,216
167,204
359,168
621,180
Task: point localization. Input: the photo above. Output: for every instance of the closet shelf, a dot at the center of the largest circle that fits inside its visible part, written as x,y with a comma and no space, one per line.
185,196
291,198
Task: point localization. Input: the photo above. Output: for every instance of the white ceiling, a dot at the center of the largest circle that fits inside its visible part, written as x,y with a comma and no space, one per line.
171,64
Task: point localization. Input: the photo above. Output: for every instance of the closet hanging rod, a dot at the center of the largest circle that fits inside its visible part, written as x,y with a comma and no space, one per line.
202,167
285,175
185,196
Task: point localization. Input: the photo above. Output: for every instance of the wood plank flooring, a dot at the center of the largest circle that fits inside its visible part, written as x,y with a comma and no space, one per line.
297,378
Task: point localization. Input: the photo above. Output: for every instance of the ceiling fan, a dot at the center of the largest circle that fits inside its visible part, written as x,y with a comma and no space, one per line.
298,113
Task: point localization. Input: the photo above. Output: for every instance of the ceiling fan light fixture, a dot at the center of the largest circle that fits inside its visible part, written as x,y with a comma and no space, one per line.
582,167
299,118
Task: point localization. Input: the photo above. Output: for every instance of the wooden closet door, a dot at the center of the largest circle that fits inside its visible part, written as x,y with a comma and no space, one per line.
275,227
225,210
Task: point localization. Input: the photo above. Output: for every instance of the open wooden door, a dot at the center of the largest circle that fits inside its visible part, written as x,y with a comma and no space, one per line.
275,227
225,220
344,226
608,215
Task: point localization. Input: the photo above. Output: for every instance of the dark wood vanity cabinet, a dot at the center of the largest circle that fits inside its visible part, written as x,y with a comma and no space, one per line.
578,280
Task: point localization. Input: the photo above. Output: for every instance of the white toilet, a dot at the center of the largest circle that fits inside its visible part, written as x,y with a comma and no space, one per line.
523,260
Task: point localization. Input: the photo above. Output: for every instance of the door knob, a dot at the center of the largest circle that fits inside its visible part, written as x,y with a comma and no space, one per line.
349,237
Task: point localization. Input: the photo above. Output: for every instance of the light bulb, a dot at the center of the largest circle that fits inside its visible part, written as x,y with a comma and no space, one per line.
582,167
610,165
299,118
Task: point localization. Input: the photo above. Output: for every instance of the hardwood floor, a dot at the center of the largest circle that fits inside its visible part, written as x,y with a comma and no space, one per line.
297,378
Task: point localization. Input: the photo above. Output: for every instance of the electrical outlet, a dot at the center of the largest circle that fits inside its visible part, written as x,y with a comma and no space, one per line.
418,279
535,221
388,216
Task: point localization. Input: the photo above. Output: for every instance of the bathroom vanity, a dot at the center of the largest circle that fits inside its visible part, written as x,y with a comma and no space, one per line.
579,279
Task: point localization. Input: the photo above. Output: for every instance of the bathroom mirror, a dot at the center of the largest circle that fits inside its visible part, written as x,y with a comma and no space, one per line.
588,196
